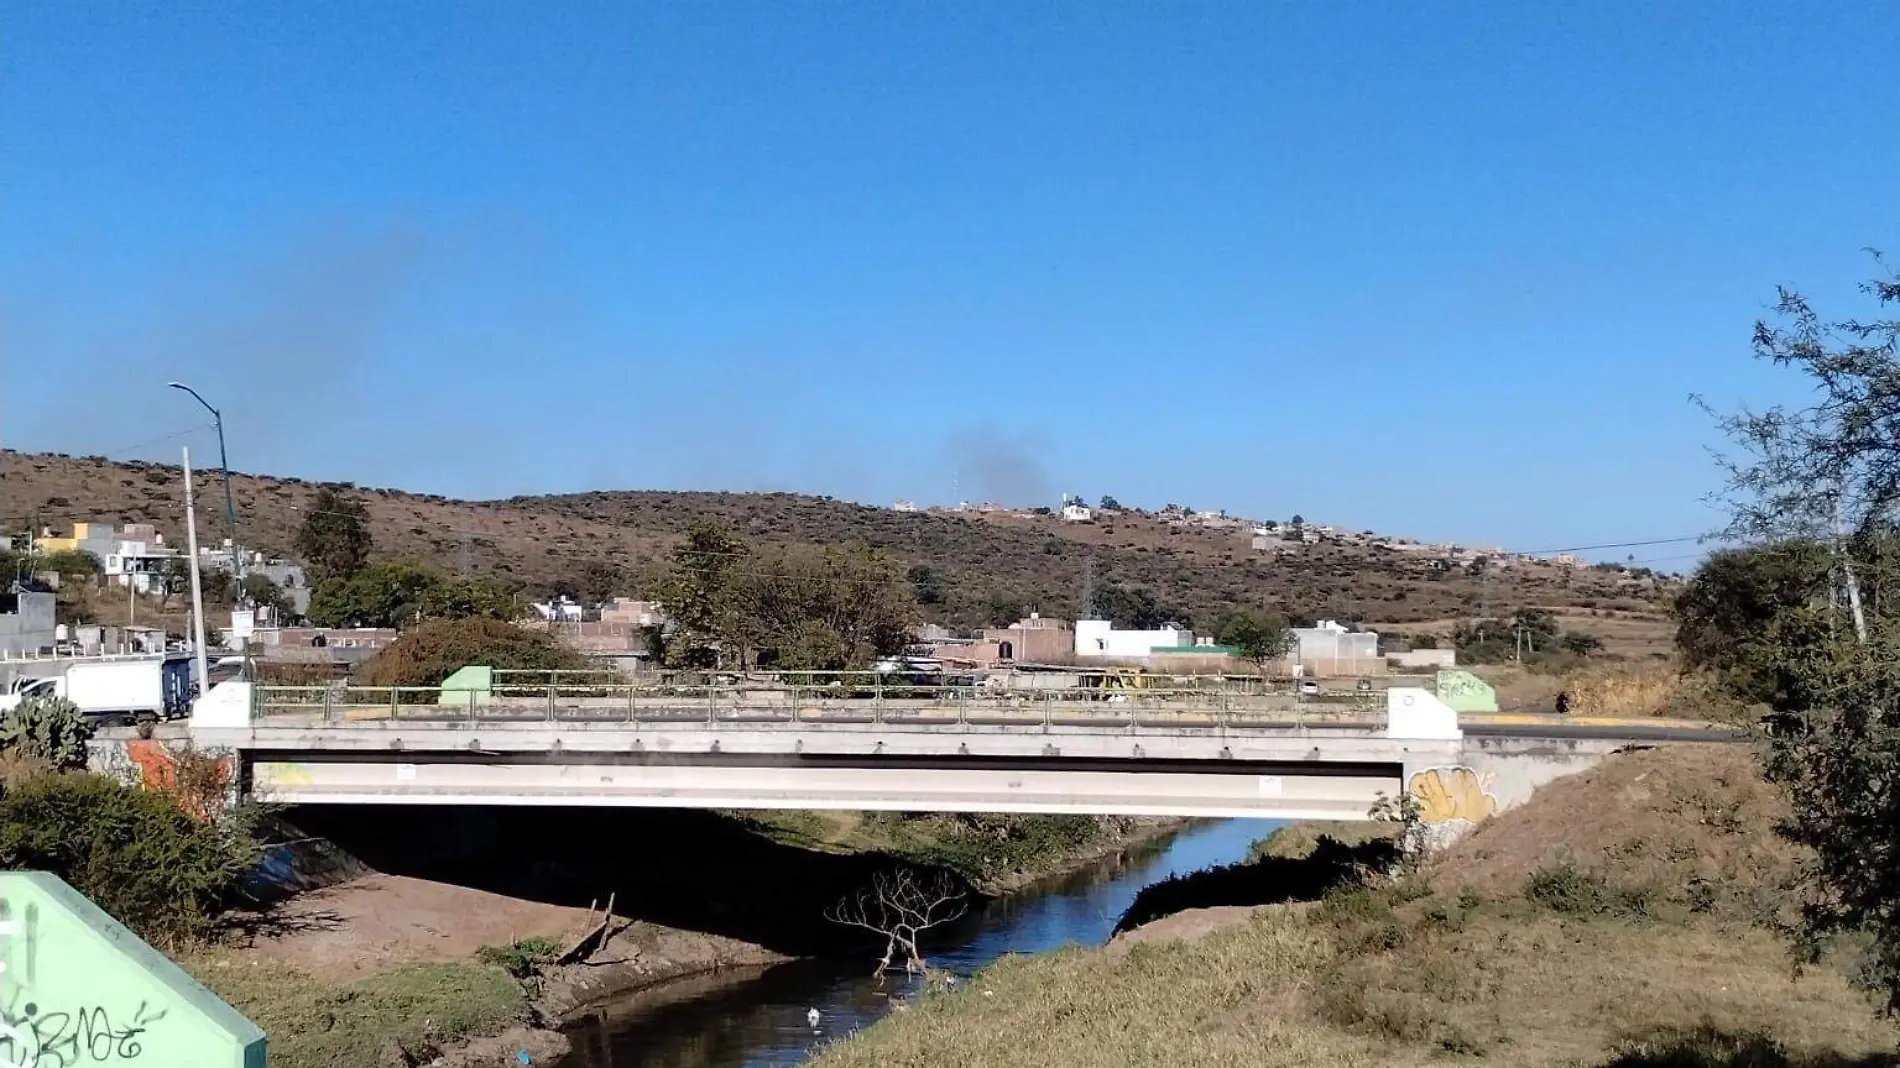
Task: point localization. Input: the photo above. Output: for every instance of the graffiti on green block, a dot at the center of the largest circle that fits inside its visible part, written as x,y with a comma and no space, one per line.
1466,692
77,988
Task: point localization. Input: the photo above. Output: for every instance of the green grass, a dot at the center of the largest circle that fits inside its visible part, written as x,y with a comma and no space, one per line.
316,1024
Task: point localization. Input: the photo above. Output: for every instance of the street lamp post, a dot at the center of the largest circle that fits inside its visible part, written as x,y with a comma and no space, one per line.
230,502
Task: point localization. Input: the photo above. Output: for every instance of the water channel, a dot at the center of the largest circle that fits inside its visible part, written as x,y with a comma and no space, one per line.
762,1022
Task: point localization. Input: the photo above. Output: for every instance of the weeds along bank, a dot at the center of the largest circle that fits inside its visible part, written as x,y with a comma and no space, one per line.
1631,915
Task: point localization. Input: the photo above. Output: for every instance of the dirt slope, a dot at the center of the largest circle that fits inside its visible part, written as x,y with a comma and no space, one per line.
991,564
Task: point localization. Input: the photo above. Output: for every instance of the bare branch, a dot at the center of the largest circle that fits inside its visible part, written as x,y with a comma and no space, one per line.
900,906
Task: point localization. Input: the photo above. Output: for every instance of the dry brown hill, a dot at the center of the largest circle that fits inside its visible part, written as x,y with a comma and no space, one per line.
991,565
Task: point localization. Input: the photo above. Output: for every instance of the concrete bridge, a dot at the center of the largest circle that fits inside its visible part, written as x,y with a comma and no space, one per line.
1199,753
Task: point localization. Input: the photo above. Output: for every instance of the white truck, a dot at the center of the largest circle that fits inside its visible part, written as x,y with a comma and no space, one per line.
115,691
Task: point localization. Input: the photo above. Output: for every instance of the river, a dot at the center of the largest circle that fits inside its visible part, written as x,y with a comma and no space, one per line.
763,1023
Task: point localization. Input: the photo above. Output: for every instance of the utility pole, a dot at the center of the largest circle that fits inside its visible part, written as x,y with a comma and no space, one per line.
230,501
197,589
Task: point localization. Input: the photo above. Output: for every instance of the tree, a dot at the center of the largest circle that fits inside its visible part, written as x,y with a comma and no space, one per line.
899,907
795,608
1742,610
700,590
926,584
439,648
1260,636
1826,474
259,590
394,593
1136,608
72,565
334,539
1110,504
1580,642
1297,521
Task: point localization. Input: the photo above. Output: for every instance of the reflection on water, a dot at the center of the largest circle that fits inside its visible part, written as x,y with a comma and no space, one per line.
763,1023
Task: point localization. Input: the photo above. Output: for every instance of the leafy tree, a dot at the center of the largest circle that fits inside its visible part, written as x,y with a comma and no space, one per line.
1827,473
259,590
1110,504
334,539
1580,642
72,565
927,586
700,591
1298,520
439,648
1136,608
1260,636
397,593
799,607
1738,613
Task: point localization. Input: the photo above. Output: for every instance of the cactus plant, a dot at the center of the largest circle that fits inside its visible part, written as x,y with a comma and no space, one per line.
51,729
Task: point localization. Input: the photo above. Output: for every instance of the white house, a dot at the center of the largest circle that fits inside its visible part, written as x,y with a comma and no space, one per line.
904,506
1077,513
1099,638
561,611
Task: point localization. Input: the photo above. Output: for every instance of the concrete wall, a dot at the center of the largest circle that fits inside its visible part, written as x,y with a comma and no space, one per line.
1099,638
1425,658
26,622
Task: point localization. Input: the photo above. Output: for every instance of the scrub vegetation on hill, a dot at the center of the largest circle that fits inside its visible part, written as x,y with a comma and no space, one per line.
981,568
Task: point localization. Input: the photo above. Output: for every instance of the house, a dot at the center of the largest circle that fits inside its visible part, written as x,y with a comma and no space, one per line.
1097,638
1033,639
638,615
904,506
559,610
1077,513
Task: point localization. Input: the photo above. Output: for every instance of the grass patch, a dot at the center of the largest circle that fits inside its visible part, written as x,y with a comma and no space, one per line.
1570,890
417,1009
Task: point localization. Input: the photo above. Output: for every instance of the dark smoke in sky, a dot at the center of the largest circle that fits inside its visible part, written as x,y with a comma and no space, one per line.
994,466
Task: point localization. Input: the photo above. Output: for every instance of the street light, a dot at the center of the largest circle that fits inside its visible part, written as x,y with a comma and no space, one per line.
224,464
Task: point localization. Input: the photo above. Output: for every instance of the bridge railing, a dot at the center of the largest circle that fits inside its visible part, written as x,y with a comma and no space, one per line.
786,700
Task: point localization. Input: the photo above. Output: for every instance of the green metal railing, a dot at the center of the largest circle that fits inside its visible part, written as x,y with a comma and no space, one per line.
813,698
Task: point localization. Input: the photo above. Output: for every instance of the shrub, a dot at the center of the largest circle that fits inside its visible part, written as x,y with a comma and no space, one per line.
523,958
133,852
48,729
434,651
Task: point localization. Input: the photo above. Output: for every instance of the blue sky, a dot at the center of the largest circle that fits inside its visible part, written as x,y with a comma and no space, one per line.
1443,269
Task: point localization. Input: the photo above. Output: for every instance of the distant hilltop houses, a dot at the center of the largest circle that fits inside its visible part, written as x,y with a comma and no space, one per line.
1263,535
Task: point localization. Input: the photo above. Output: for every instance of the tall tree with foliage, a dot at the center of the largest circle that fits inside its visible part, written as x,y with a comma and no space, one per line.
1828,473
793,608
1260,636
334,539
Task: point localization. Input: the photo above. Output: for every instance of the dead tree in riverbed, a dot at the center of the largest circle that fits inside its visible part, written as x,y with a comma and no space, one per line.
901,906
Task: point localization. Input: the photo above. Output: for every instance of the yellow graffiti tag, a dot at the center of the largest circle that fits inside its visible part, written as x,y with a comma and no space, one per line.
1446,794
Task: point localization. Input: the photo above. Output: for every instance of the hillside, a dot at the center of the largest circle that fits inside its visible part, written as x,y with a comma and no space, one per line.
1645,936
991,565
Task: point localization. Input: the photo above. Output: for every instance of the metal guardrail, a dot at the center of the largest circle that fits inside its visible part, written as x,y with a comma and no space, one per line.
582,700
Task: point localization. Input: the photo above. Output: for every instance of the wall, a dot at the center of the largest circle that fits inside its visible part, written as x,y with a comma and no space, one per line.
26,622
1035,644
1425,658
1096,638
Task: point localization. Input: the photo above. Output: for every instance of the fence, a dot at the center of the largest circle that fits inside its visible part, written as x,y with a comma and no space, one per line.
812,698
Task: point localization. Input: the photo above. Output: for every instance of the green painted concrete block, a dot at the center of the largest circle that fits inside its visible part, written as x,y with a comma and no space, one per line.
1466,692
470,686
79,988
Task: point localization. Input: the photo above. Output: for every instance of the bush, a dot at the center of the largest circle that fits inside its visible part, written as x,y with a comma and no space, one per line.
434,651
48,729
133,852
523,958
